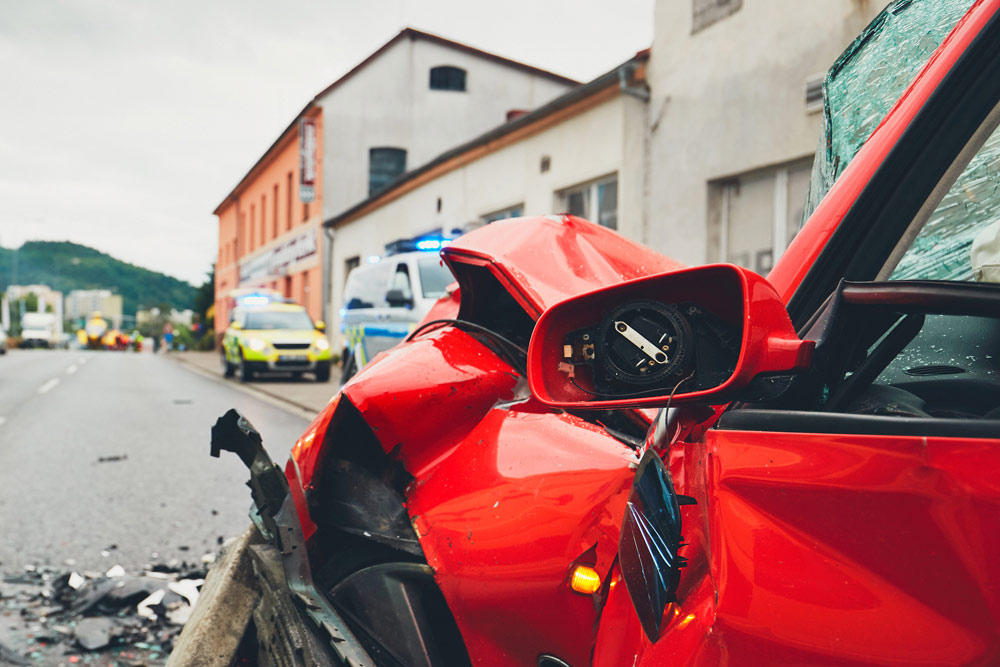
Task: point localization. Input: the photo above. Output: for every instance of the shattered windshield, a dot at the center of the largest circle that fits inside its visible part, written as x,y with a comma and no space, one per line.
961,238
870,76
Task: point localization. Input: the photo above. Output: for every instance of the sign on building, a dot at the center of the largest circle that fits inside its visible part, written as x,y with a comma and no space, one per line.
277,261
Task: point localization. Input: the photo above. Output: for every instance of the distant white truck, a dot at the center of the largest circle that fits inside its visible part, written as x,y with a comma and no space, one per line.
40,330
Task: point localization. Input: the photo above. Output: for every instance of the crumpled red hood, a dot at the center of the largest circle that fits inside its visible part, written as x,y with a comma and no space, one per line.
550,258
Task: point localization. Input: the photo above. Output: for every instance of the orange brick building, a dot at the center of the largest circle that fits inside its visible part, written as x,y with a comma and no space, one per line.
268,236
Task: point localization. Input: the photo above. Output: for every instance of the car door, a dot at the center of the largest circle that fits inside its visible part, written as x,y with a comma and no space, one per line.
855,517
851,514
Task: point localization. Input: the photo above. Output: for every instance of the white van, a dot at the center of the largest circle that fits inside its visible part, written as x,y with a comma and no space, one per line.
384,301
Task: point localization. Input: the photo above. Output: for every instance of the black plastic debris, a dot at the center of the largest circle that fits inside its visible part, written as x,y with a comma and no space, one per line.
113,458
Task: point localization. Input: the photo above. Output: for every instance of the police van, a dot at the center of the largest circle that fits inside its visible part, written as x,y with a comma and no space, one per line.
384,300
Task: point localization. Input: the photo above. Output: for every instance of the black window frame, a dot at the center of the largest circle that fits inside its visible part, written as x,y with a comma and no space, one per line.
384,177
448,77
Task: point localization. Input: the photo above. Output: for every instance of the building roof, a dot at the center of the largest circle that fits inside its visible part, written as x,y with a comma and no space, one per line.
628,76
405,33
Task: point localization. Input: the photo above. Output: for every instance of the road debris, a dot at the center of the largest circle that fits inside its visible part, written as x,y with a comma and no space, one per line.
50,617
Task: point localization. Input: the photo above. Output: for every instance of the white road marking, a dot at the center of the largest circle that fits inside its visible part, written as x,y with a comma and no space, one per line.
82,360
2,420
48,386
72,369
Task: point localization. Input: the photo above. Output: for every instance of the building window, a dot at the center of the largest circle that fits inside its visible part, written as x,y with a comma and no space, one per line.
288,287
511,212
288,212
263,219
384,166
253,227
447,77
305,211
754,216
274,214
596,201
707,12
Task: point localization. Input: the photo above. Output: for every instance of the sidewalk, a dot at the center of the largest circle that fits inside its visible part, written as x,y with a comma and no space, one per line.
306,394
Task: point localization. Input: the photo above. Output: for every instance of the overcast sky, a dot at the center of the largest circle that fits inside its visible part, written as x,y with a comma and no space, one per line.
124,123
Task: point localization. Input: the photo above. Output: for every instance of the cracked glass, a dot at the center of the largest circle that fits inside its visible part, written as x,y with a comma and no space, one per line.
865,82
960,239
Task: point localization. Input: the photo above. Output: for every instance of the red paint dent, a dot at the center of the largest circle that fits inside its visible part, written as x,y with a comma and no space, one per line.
505,515
544,260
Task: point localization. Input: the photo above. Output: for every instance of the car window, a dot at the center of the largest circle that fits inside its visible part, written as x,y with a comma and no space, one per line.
283,319
401,282
434,277
366,286
865,82
959,239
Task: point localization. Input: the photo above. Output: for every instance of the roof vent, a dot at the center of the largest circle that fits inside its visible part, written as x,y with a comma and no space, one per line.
934,370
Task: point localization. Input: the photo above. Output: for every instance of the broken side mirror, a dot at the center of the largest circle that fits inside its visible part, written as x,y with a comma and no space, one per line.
695,335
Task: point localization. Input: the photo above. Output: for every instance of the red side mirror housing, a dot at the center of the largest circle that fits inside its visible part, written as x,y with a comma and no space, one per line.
694,335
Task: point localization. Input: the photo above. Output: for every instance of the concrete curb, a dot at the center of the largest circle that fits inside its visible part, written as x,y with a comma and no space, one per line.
253,390
219,620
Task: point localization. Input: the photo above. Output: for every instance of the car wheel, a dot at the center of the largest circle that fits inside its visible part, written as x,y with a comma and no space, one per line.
246,373
323,372
228,369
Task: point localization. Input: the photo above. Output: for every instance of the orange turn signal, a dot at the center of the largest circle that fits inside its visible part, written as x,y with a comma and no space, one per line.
585,580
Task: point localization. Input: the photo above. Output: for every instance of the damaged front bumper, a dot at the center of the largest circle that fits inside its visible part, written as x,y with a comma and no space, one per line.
294,623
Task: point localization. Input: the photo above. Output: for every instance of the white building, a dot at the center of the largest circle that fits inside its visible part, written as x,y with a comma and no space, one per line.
734,120
80,304
416,96
581,153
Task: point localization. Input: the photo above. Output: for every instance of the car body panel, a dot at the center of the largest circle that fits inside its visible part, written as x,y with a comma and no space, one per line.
502,520
824,549
548,259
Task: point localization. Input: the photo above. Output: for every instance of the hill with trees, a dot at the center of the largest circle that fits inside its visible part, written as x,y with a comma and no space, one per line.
66,266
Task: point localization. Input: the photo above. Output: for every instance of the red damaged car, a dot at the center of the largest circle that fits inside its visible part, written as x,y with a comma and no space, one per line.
590,455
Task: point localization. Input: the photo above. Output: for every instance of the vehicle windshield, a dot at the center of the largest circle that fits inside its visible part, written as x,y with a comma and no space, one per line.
865,82
278,319
961,238
434,278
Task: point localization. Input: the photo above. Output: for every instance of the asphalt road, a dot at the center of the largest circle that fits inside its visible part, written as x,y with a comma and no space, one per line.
161,497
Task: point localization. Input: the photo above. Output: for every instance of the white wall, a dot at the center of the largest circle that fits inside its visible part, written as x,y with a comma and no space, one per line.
389,103
730,99
597,142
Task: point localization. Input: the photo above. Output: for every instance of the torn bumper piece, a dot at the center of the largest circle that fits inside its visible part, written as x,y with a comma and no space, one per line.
290,604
